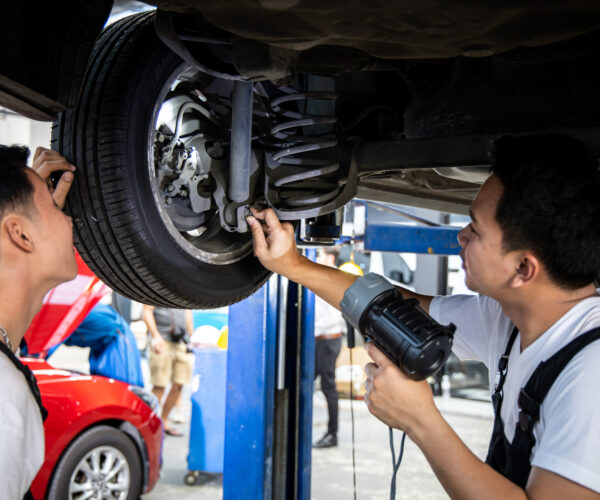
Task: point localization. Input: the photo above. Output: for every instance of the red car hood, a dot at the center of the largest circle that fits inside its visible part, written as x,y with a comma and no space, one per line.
45,373
64,307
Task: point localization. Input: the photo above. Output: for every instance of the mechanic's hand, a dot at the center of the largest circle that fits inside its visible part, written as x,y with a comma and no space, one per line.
158,344
45,162
274,242
392,397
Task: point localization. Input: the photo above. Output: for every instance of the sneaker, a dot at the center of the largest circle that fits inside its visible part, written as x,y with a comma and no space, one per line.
327,441
177,416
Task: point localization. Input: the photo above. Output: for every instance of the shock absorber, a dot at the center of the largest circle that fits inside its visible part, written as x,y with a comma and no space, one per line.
303,180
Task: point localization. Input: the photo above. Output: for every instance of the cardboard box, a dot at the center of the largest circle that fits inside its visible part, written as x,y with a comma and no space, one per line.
351,375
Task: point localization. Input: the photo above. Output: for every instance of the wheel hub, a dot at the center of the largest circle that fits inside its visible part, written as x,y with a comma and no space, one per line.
187,144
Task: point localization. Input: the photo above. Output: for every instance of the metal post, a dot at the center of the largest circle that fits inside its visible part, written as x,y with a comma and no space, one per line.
268,430
241,135
248,463
306,389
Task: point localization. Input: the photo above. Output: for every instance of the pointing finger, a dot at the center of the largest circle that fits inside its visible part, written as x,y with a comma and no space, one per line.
258,235
62,188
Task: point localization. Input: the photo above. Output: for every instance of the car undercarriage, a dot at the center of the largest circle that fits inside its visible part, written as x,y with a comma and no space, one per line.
182,117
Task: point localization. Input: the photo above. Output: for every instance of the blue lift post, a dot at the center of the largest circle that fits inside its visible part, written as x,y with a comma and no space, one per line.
270,375
270,371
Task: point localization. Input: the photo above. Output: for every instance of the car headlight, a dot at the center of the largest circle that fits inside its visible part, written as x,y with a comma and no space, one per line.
147,397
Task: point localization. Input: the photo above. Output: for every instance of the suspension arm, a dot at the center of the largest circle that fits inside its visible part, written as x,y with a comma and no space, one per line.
441,152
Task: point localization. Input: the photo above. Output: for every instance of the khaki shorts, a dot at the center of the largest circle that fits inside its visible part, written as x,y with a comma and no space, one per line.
173,365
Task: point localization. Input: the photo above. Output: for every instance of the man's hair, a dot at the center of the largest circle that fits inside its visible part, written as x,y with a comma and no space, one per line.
16,189
551,204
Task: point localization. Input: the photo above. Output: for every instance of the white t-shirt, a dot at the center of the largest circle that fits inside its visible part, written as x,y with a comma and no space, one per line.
568,432
21,433
328,320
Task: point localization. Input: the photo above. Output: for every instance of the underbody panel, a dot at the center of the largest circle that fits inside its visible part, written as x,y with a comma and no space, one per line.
407,29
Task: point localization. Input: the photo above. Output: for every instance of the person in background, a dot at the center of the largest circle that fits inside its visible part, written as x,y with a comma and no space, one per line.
329,326
170,361
113,348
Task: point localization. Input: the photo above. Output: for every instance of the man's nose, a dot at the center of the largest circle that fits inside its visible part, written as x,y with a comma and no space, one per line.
462,237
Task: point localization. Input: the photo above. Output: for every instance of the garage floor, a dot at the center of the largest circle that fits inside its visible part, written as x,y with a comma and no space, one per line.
331,468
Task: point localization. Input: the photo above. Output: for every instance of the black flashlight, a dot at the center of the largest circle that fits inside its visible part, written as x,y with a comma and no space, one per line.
411,338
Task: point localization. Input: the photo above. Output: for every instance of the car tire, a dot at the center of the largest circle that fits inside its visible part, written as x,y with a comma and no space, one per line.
118,228
97,442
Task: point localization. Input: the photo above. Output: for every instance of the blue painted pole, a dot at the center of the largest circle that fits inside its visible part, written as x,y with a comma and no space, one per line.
307,378
248,463
252,407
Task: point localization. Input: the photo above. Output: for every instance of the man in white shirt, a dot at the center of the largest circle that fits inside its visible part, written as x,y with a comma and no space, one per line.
532,252
36,254
329,327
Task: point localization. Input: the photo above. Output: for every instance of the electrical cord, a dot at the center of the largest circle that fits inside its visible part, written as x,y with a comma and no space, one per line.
395,464
352,420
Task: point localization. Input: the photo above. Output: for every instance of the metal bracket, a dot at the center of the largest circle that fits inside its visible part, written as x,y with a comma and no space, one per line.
163,24
465,151
233,214
417,239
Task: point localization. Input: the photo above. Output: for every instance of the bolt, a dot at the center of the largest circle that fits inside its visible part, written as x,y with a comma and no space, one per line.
170,188
168,200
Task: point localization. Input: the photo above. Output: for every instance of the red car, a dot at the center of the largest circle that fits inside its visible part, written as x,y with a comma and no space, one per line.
103,437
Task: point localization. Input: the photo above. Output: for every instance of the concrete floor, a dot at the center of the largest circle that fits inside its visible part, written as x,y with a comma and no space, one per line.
331,477
332,468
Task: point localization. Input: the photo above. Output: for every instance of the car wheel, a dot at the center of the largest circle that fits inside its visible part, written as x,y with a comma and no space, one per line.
101,463
147,142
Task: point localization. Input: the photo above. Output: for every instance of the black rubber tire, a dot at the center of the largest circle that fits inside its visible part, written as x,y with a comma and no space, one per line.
101,435
118,229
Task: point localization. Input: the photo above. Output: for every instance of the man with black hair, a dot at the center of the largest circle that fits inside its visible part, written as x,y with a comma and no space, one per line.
36,254
532,252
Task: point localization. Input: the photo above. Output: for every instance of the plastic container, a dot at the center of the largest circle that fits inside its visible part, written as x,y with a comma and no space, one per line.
207,424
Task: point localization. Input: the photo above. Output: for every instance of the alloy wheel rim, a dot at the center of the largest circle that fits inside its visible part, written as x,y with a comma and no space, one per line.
102,474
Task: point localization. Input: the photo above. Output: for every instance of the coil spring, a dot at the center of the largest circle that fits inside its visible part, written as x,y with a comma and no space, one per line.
310,183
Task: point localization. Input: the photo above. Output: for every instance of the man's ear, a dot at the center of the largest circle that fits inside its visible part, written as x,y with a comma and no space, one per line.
18,230
527,268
